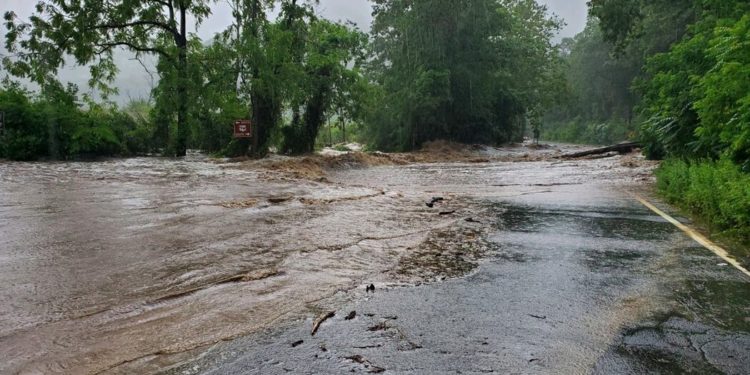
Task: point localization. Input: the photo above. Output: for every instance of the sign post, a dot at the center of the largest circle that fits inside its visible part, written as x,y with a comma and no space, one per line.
243,129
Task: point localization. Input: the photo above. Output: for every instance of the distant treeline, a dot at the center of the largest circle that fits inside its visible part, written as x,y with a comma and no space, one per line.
470,71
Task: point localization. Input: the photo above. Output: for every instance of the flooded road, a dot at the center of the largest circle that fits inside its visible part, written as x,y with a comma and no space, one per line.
196,266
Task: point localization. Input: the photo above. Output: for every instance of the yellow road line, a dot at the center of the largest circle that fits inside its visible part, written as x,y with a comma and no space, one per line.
701,239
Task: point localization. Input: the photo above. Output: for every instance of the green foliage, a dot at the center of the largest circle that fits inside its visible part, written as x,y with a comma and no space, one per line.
694,89
723,104
467,71
695,99
332,79
647,26
718,191
607,60
93,137
91,31
582,131
598,108
694,94
135,128
54,125
25,134
297,65
668,96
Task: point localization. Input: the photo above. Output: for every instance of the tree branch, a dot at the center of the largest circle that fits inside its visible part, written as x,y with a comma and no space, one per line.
163,3
136,48
116,26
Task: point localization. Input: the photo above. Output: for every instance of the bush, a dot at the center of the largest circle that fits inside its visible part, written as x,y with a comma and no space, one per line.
54,125
25,134
717,191
94,136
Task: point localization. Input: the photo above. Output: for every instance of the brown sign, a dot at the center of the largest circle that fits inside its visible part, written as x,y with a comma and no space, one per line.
243,129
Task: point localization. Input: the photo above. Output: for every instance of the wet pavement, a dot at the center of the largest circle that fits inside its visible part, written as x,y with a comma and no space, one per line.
191,267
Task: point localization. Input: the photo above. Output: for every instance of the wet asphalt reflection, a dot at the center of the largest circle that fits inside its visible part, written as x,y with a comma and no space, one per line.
577,282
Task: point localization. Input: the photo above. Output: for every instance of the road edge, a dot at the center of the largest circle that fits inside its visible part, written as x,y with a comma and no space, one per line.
701,239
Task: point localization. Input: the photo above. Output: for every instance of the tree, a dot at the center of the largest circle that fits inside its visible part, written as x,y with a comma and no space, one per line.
91,31
261,55
653,24
331,74
297,64
692,94
599,104
723,106
467,71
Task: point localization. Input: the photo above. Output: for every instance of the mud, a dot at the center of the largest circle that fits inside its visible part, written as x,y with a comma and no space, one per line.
141,265
317,167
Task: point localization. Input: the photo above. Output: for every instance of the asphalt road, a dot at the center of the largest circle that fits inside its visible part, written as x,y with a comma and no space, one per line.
579,279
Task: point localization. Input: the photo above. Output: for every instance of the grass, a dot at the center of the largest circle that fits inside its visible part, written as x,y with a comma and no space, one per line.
718,192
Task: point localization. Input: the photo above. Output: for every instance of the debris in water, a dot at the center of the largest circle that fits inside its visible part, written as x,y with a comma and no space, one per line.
472,220
297,343
369,346
446,213
434,200
357,358
320,320
622,148
280,199
378,327
362,361
351,315
370,288
247,203
542,317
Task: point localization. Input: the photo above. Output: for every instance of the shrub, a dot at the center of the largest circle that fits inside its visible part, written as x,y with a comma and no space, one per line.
717,191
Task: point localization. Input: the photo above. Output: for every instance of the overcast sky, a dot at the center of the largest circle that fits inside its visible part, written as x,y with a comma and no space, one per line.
134,82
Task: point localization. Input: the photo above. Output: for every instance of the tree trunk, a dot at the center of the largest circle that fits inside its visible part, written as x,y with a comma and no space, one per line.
264,116
182,90
343,126
621,148
314,118
343,129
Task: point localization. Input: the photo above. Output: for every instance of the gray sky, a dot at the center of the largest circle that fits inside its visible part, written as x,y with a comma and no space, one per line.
134,82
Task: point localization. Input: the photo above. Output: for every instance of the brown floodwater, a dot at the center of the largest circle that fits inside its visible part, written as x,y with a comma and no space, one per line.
118,264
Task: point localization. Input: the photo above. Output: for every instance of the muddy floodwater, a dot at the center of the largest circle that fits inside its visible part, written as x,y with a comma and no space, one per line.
148,265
